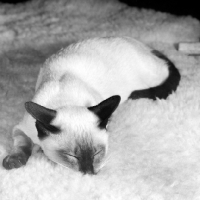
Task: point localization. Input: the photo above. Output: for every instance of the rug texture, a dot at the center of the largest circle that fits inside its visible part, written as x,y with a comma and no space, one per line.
154,146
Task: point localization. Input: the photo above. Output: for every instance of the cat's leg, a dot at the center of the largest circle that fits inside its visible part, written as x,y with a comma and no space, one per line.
21,152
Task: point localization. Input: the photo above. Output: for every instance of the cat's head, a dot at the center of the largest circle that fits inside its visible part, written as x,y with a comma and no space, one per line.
75,136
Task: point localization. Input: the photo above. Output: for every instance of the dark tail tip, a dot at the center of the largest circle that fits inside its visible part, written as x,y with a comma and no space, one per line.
163,90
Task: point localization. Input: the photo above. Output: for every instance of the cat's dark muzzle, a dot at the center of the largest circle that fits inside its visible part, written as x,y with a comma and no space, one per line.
88,169
86,166
90,172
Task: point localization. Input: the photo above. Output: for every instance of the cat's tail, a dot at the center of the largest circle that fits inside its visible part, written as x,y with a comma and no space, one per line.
163,90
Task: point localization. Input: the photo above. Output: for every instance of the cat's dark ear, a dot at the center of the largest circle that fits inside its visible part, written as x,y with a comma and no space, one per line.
43,117
105,109
40,113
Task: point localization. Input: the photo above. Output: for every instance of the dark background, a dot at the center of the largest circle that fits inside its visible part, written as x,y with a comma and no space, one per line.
176,7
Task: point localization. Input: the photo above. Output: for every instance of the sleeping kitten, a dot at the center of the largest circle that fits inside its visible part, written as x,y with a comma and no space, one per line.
77,92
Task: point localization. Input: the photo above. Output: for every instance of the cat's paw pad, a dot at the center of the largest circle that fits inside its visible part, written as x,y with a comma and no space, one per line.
15,160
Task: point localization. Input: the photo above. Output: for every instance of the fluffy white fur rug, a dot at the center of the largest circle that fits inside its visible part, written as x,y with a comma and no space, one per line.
154,151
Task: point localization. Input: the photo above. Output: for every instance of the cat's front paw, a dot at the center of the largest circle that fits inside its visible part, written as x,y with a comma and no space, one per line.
15,160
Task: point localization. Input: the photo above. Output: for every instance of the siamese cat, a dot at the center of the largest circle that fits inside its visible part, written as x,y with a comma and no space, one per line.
76,93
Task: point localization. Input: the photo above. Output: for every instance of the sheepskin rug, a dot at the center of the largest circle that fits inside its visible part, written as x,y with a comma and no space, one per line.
154,146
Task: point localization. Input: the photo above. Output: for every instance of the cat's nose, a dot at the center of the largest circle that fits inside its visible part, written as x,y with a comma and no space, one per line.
87,170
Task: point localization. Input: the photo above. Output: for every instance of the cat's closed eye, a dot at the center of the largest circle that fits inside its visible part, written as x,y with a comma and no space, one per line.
68,157
98,156
71,155
97,152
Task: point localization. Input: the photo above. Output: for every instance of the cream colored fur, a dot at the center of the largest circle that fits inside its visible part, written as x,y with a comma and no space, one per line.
83,75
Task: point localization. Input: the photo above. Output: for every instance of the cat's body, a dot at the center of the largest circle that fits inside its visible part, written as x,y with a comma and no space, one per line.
72,101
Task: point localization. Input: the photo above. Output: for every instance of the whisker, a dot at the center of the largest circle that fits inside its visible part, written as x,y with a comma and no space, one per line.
62,165
107,159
